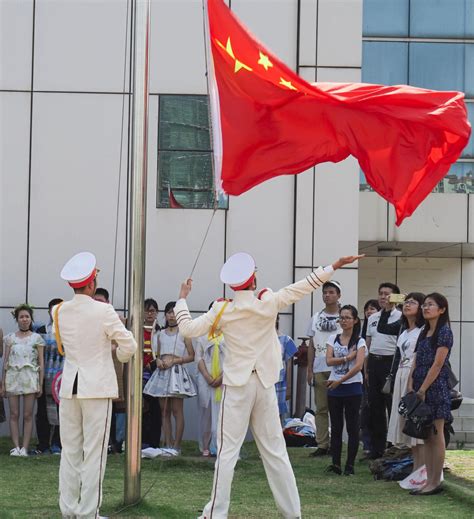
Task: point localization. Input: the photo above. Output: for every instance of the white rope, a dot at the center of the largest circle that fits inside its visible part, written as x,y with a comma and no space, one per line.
117,209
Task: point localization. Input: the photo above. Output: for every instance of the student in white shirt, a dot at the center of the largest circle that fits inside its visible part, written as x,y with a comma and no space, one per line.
323,324
345,355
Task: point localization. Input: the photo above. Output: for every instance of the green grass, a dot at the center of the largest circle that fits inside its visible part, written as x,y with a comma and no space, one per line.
181,487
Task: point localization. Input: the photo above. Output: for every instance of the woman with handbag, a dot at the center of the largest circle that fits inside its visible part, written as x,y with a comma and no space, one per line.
410,326
430,380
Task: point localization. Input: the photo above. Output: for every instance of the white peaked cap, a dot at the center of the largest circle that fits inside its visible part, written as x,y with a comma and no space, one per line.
238,269
80,269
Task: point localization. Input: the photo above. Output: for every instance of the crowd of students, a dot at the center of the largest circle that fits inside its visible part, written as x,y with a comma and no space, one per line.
350,362
360,373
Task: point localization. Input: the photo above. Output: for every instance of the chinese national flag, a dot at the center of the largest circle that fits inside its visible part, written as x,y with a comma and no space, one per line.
267,121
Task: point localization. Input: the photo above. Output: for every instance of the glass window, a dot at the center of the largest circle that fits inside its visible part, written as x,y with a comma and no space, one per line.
469,71
440,66
458,180
469,149
385,63
442,18
185,176
385,18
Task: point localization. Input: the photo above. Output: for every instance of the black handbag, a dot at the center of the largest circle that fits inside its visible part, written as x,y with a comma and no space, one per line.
418,416
452,379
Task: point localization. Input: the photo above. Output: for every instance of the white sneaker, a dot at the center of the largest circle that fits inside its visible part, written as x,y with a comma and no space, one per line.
15,451
23,453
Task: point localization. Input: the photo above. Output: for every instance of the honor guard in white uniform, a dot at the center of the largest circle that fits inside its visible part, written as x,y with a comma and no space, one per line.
251,368
84,331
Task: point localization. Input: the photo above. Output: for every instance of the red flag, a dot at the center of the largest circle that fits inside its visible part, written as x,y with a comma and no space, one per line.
174,204
267,121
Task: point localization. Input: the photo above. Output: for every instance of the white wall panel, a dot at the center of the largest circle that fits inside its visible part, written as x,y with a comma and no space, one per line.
372,271
336,209
339,75
456,351
304,308
273,22
80,45
308,31
304,218
14,159
76,155
372,217
442,217
16,23
261,222
340,33
308,73
177,58
470,238
349,280
467,290
174,237
467,359
432,275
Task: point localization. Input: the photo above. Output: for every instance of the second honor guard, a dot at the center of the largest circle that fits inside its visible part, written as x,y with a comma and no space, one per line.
251,368
85,329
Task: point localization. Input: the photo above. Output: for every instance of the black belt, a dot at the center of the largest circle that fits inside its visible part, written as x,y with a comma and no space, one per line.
380,357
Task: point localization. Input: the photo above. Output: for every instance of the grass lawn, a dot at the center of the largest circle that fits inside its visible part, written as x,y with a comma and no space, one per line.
181,487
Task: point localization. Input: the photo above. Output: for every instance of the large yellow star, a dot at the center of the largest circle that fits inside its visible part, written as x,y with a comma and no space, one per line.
264,61
228,48
287,84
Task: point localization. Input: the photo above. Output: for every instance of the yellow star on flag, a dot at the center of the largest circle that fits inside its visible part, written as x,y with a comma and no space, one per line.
287,84
228,48
264,61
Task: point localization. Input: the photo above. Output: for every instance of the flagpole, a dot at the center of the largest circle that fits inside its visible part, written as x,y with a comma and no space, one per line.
140,35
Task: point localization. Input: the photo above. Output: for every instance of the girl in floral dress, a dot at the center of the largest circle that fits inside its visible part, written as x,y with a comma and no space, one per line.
23,372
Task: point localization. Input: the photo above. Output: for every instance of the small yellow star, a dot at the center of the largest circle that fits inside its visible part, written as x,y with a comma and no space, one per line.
264,61
287,84
228,48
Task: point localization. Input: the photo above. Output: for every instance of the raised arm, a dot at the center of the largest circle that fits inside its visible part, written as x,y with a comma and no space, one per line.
387,328
189,327
293,293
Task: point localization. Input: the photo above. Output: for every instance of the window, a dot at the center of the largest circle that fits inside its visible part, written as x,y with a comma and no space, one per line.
440,66
442,18
385,63
385,18
185,176
460,179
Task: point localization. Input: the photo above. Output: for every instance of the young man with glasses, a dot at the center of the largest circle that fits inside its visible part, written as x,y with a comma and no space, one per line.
378,364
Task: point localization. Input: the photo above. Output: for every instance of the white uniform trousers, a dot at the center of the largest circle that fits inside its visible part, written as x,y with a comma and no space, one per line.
84,430
243,405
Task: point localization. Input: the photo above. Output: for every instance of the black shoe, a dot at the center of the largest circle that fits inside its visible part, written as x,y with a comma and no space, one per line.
335,469
320,452
349,470
433,492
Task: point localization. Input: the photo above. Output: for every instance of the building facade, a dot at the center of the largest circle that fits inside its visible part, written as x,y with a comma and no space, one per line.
65,105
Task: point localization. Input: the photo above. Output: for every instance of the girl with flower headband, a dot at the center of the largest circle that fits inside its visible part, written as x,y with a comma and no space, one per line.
23,373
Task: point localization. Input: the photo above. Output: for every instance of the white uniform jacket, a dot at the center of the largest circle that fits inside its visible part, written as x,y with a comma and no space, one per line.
248,325
86,328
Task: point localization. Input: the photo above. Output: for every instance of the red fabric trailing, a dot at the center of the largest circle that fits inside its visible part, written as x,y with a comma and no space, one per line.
271,122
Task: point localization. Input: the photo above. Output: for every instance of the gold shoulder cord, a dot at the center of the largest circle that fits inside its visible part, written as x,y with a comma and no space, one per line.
215,324
56,330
